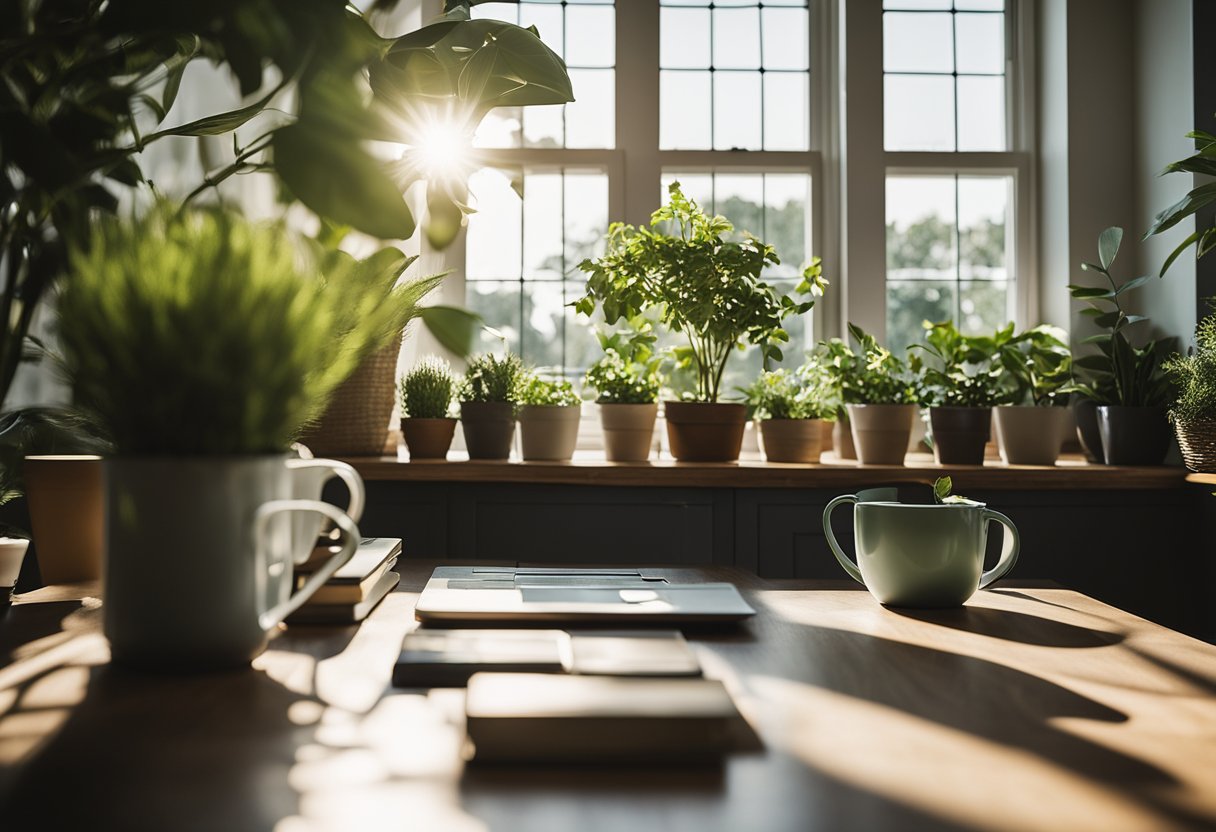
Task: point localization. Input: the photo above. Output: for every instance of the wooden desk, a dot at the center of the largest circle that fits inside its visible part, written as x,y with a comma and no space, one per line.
1032,709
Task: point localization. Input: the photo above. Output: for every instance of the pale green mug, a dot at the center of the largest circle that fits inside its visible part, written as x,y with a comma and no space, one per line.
922,555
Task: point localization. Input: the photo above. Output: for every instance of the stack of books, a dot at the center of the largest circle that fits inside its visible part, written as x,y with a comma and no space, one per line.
355,589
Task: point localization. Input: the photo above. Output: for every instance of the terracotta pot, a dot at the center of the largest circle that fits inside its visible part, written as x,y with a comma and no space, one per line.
705,431
1028,435
65,498
489,429
628,431
881,432
1085,412
548,431
960,434
428,438
1133,435
791,440
842,439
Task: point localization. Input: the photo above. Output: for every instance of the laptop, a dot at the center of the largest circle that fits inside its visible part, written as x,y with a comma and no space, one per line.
503,593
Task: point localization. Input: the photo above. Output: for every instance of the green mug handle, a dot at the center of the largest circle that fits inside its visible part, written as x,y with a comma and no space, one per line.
1010,547
848,565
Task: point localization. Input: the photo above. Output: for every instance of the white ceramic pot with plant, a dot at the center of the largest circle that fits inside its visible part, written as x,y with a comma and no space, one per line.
1038,366
880,393
709,288
203,344
626,381
548,419
489,400
789,407
426,400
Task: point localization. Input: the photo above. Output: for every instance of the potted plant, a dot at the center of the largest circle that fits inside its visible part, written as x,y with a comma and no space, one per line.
548,418
1031,426
201,344
626,381
881,398
1194,409
842,365
708,288
790,408
426,398
489,394
1125,381
962,383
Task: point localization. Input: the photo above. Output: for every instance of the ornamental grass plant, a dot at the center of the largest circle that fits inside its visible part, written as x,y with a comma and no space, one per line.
426,390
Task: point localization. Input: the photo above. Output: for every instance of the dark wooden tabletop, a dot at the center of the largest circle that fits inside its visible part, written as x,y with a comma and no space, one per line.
1031,708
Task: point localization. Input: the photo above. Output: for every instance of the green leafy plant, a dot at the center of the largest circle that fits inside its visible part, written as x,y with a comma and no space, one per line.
492,379
1119,373
1038,366
536,390
1203,162
804,393
1194,376
197,333
629,371
866,372
701,284
961,370
426,390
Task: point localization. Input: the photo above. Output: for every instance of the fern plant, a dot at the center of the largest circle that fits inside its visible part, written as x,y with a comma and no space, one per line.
198,333
1194,376
492,379
426,390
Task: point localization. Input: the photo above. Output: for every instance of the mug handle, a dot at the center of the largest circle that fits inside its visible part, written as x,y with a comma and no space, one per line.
350,542
349,476
1010,547
848,565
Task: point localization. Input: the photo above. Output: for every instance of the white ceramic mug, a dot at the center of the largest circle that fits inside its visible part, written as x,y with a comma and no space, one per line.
308,481
200,555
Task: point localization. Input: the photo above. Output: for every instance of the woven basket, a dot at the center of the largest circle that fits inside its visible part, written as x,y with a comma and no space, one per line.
1197,440
356,421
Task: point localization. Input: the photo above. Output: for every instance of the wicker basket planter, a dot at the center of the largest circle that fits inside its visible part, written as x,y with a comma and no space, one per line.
356,421
1197,440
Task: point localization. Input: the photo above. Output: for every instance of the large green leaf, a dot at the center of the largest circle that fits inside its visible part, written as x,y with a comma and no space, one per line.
338,180
1089,292
443,217
1133,284
1198,198
1108,246
454,328
219,123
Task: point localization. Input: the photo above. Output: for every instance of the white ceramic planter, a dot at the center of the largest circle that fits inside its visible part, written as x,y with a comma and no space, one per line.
548,431
628,431
1028,435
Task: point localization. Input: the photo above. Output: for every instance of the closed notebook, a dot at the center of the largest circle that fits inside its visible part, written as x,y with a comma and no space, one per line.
447,658
314,613
370,556
532,717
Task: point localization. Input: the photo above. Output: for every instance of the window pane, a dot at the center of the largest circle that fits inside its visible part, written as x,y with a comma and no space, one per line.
981,112
916,4
543,125
787,108
684,38
501,127
983,205
912,302
736,38
549,21
684,115
591,117
497,302
590,36
983,306
544,323
585,219
497,11
740,198
542,226
787,220
980,40
918,112
920,227
980,5
494,244
737,107
917,43
785,38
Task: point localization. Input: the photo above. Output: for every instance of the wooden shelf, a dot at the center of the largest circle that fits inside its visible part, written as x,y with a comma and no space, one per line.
1071,473
1202,479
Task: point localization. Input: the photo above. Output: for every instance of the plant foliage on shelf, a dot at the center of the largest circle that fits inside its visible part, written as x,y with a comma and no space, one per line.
866,372
960,370
1038,364
1194,376
804,393
492,379
426,390
629,371
702,284
1119,373
542,392
194,332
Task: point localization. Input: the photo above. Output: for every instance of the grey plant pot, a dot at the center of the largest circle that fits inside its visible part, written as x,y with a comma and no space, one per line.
489,429
1028,435
1133,435
960,434
1085,412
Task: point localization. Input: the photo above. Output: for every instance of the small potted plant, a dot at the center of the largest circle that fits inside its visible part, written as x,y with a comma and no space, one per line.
426,397
707,287
881,402
1038,370
962,384
1194,410
790,408
489,394
843,367
548,418
1125,381
626,381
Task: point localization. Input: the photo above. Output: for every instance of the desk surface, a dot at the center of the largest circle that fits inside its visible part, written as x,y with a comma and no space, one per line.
1029,709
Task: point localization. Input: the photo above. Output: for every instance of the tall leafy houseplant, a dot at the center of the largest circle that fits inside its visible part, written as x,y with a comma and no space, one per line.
707,286
962,382
1125,381
86,87
1194,409
1033,423
1202,163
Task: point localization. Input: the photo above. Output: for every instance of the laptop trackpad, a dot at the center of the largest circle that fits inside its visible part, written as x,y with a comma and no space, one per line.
590,595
